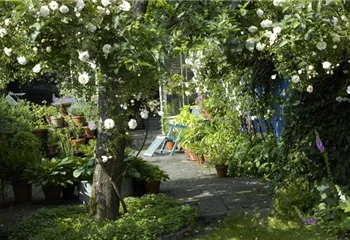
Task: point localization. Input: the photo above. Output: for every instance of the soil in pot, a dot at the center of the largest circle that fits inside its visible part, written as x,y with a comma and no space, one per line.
52,149
56,122
52,193
153,187
22,191
88,133
221,170
169,145
78,120
68,192
41,134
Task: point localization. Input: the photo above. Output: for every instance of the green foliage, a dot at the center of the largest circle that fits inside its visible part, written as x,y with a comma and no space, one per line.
88,149
149,217
84,168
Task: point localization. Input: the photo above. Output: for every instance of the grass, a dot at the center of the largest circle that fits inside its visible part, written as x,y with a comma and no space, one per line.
249,228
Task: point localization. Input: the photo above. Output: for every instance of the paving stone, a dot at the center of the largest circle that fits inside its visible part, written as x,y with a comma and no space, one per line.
213,207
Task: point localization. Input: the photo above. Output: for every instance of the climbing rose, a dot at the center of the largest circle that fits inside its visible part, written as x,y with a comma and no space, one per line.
108,123
106,48
326,65
321,45
125,6
295,79
348,90
22,60
7,22
104,158
64,9
84,56
132,124
259,12
3,32
48,49
273,77
8,51
277,30
266,23
92,125
53,5
83,78
80,5
252,29
105,3
260,46
144,114
37,68
44,11
250,44
310,89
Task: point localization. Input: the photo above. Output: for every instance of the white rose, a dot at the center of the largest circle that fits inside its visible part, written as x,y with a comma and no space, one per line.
132,124
277,30
3,32
22,60
295,79
8,51
266,23
160,113
92,28
105,3
92,125
125,6
44,11
35,49
144,114
84,56
326,65
108,123
83,78
310,89
37,68
252,29
80,5
53,5
348,90
250,44
7,22
273,76
310,67
260,46
259,12
64,9
48,49
321,45
106,48
104,158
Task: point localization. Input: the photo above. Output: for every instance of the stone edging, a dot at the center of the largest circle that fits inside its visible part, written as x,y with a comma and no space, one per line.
180,235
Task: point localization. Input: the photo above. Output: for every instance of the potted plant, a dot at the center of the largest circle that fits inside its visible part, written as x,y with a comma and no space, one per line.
153,177
51,175
77,110
62,103
38,118
55,118
83,172
76,132
15,158
52,142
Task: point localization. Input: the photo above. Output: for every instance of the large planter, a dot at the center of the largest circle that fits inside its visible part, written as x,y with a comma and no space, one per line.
77,142
52,193
78,120
153,187
41,134
169,145
139,187
22,191
57,122
88,133
221,170
68,192
85,189
153,123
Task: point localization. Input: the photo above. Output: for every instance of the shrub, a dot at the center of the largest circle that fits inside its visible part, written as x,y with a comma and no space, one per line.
149,217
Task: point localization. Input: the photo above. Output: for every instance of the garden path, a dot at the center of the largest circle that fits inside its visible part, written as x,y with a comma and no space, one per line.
196,184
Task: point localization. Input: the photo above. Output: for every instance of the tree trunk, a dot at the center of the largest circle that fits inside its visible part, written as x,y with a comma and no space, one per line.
111,143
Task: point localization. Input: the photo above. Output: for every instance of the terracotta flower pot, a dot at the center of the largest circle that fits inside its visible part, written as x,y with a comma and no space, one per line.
77,142
206,113
56,122
169,145
22,191
88,133
41,134
52,193
52,149
78,120
153,187
221,170
187,154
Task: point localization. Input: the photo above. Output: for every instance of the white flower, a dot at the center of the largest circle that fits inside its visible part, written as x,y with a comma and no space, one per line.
277,3
144,114
266,23
273,38
80,5
105,3
37,68
273,76
35,49
92,125
64,9
108,123
84,56
53,5
321,45
295,79
92,28
106,48
277,30
335,38
8,51
259,12
3,32
310,89
187,93
348,90
132,124
260,46
48,49
104,158
250,44
326,65
7,22
252,29
125,6
22,60
44,11
322,188
310,67
160,113
83,78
